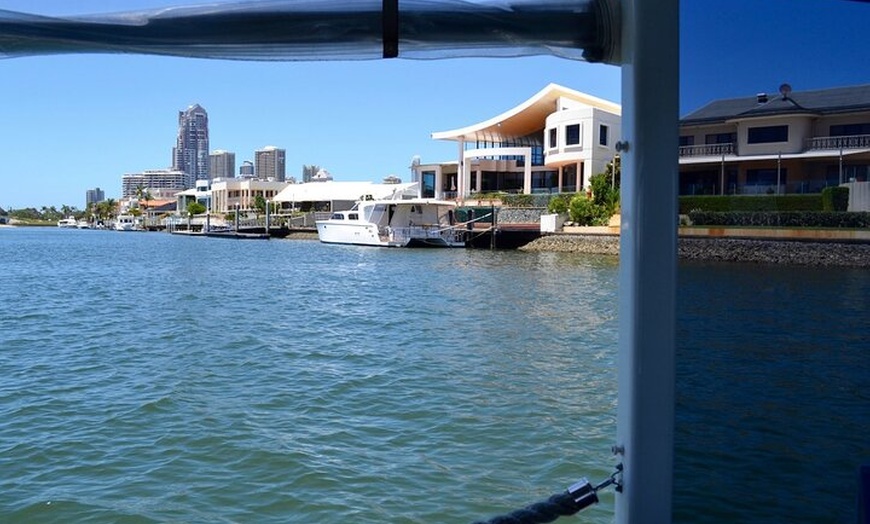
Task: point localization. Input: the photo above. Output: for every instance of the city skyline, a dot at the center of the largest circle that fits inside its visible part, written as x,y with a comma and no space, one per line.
361,120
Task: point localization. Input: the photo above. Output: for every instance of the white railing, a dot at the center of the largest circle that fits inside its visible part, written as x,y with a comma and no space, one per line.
839,142
708,150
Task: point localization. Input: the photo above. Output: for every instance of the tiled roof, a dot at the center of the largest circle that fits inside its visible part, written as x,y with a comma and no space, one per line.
819,101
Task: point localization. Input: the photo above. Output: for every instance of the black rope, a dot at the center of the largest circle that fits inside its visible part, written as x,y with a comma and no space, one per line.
560,505
577,497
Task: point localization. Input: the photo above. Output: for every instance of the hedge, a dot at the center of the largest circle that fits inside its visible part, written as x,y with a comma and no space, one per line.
835,198
811,202
792,219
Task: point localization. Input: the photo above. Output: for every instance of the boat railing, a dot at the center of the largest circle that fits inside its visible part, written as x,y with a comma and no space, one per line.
404,233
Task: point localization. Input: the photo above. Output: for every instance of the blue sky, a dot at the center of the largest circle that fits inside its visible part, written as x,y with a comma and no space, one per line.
74,122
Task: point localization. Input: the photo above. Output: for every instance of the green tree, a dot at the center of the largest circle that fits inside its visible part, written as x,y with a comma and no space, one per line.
260,204
195,208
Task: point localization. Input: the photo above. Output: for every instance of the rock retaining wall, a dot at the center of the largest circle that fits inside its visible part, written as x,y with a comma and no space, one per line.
730,250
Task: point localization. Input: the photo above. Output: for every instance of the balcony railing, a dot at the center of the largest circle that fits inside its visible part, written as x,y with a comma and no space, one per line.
839,142
708,150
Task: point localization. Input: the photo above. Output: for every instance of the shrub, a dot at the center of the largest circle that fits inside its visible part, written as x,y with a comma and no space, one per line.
811,202
603,192
518,200
792,219
559,203
584,212
835,198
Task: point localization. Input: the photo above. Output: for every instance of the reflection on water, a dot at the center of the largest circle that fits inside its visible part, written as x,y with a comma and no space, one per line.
153,378
773,393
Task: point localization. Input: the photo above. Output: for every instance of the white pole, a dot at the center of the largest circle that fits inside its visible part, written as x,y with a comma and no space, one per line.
648,259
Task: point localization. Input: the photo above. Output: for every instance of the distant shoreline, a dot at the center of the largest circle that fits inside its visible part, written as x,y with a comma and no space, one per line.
814,253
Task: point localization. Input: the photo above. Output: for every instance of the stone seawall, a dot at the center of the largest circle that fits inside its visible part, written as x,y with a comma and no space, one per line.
730,250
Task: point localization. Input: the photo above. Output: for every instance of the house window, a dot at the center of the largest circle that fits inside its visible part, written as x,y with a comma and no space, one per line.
552,141
768,134
572,135
720,138
602,135
687,140
850,129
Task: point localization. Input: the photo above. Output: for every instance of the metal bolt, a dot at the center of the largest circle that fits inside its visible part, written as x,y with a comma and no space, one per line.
618,449
621,146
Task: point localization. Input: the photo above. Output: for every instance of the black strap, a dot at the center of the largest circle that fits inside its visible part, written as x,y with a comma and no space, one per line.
390,14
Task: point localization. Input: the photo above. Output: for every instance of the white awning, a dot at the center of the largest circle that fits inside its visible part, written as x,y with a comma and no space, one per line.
345,191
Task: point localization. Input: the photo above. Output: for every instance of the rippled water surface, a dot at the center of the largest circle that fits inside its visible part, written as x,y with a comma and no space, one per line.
146,377
149,377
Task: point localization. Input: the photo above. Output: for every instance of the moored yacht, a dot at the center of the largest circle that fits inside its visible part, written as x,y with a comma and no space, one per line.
417,222
67,223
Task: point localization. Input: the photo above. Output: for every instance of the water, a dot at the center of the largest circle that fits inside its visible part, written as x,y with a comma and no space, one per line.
154,378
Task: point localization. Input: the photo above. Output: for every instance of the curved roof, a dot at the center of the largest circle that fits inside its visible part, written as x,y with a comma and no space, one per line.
526,118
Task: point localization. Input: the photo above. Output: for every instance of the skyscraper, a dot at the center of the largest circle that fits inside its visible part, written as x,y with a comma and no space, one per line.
94,196
246,170
190,154
269,163
222,164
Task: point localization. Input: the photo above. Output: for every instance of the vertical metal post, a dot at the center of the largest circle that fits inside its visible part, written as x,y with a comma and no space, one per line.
778,170
841,165
648,258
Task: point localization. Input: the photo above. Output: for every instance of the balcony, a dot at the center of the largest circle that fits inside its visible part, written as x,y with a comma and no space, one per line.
839,142
708,150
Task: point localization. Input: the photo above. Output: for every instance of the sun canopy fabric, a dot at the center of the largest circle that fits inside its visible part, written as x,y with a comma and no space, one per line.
327,29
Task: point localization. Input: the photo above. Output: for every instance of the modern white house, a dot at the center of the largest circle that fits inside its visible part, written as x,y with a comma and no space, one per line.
228,194
553,142
787,142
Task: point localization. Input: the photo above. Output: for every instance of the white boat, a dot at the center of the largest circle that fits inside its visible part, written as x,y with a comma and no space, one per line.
126,223
68,223
416,222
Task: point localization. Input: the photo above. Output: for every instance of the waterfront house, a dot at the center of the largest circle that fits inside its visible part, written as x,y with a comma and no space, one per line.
4,216
553,142
228,194
786,142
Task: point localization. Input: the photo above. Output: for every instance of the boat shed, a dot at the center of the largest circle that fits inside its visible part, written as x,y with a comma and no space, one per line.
339,196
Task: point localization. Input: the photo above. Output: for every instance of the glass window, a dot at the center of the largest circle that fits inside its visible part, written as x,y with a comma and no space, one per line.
353,216
428,184
687,140
552,141
850,129
720,138
768,134
572,134
602,135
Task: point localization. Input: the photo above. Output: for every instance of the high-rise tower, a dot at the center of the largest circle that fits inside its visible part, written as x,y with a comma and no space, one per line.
222,164
269,163
190,154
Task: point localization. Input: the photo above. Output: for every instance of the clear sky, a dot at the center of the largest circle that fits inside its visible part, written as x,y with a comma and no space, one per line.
74,122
